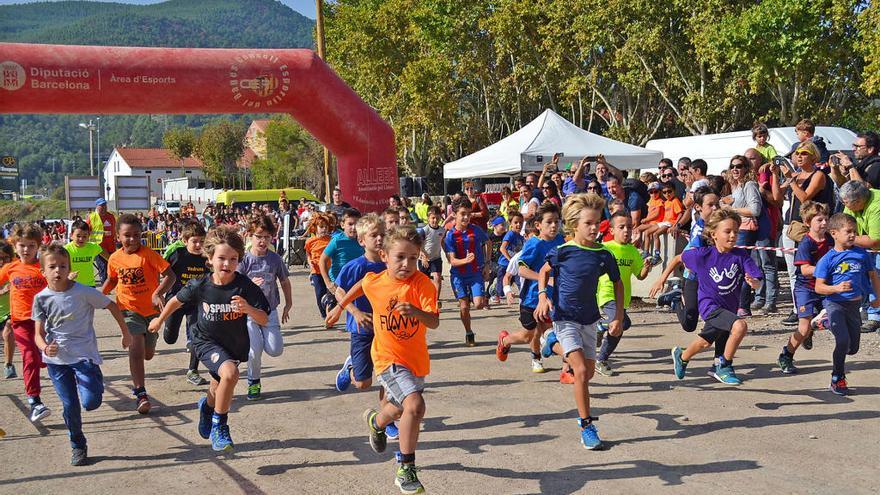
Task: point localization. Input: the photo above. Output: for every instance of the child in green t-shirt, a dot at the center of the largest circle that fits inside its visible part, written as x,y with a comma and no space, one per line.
83,254
629,263
6,255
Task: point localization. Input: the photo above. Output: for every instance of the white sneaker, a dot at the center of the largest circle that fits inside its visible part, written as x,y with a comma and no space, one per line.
39,412
820,322
537,366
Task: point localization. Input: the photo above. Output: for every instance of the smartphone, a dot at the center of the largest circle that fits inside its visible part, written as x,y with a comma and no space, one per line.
835,160
592,158
781,161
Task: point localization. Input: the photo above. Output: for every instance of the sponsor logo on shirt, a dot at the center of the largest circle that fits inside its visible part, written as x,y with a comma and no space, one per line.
403,327
220,312
28,282
847,267
132,276
730,277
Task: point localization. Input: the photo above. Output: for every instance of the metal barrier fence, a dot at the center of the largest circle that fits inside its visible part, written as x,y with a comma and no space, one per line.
155,241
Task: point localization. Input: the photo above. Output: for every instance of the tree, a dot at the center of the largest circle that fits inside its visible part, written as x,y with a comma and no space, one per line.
219,147
180,142
293,158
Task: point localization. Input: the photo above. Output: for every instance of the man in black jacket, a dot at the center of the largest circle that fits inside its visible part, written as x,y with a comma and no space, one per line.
866,149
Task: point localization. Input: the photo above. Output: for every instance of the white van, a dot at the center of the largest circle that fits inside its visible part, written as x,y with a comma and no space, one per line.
717,149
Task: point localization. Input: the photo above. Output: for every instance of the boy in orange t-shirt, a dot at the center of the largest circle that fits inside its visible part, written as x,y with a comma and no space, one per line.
404,305
319,227
134,272
655,215
26,280
671,212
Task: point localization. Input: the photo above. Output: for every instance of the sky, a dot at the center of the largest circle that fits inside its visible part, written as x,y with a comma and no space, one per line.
304,7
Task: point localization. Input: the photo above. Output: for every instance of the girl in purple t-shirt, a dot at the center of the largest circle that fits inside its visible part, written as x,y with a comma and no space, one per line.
720,269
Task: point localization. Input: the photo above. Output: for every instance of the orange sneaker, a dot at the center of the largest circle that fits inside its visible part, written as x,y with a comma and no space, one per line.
566,378
501,350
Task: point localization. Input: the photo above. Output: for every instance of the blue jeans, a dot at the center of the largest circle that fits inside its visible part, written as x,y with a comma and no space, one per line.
746,238
75,384
769,290
317,282
874,313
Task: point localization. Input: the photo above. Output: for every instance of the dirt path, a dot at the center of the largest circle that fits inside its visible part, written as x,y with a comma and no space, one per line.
490,427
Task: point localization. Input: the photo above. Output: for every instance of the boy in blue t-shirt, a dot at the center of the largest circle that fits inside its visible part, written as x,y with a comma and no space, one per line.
531,259
468,249
846,276
807,303
576,267
342,248
511,244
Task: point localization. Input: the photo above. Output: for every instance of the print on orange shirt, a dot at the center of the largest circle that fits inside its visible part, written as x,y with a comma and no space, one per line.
399,339
138,277
25,282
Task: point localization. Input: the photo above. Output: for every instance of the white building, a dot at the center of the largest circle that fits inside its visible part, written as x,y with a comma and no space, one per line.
155,163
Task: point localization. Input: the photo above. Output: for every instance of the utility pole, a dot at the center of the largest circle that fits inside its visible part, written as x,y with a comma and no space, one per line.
319,31
91,128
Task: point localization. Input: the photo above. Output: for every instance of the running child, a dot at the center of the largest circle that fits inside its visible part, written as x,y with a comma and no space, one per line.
846,277
808,304
320,226
720,269
532,258
225,299
403,216
83,253
511,244
431,259
266,269
392,218
342,248
499,229
64,314
576,267
26,280
406,306
188,264
614,206
134,271
6,256
629,264
468,249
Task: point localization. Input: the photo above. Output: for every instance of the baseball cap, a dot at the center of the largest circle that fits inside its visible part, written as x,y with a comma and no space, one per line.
655,186
100,201
498,221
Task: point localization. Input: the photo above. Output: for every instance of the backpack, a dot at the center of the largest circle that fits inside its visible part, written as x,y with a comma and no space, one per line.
631,185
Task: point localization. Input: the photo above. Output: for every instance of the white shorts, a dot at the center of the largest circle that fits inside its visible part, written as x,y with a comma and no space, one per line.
664,224
575,336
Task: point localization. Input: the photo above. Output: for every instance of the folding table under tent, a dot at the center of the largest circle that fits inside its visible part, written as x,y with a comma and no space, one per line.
550,133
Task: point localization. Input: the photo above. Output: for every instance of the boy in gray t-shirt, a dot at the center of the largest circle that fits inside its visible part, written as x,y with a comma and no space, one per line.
431,257
64,313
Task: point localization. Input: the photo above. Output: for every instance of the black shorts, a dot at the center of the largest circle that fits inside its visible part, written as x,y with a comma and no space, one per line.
527,318
434,266
718,322
213,356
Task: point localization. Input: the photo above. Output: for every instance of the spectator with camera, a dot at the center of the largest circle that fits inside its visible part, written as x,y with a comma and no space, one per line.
866,168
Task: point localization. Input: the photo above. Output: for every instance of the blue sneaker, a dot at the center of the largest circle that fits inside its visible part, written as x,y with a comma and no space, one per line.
679,364
392,432
205,414
343,378
590,437
726,375
547,348
220,439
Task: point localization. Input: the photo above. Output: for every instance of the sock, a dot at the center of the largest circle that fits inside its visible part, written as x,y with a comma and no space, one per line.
405,458
193,362
218,419
608,346
584,422
722,361
207,409
139,391
536,356
253,382
786,352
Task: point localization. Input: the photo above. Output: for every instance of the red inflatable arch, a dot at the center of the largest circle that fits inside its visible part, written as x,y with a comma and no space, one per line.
124,80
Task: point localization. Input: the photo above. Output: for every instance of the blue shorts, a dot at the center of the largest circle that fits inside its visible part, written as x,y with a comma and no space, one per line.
468,286
361,362
808,303
434,266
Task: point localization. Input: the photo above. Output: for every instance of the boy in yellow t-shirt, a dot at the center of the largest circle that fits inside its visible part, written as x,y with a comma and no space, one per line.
629,263
404,303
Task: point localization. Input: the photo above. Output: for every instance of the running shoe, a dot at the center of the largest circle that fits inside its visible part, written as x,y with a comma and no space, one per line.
470,339
407,480
726,375
820,322
143,403
537,366
79,457
679,365
221,441
10,371
787,364
769,310
39,412
808,341
756,305
193,377
392,432
378,438
254,392
870,327
839,386
566,377
744,313
343,378
502,350
656,259
549,341
590,437
603,369
668,298
791,320
205,416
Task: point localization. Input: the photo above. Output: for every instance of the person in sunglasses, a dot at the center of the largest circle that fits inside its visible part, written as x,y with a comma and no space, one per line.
745,199
668,175
866,149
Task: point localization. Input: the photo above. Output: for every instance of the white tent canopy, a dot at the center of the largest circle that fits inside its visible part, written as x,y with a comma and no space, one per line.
542,137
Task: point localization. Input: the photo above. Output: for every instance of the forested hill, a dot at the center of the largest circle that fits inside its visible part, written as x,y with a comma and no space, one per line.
202,23
46,142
